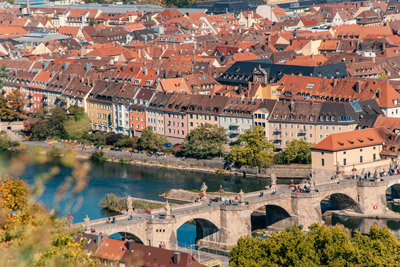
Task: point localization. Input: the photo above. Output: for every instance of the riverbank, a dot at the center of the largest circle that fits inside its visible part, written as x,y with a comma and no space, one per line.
119,204
171,162
349,213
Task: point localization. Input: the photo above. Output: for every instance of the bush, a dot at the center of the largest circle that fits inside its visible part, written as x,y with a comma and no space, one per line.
127,141
279,158
98,156
112,139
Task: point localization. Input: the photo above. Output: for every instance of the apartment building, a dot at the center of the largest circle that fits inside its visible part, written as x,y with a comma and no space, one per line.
314,121
351,153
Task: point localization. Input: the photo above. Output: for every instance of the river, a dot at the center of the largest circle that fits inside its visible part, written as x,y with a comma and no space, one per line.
144,182
121,180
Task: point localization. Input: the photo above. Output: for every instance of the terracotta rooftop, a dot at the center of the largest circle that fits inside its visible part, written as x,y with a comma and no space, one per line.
353,139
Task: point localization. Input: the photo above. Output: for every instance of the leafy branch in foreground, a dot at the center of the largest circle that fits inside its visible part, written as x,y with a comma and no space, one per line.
29,236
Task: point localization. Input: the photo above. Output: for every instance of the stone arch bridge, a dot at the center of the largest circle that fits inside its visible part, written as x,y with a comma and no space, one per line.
219,226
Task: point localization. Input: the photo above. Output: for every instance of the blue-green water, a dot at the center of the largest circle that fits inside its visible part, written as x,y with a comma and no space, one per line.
121,180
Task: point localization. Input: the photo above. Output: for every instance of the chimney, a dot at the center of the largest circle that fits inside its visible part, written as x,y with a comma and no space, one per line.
291,106
145,71
378,93
373,59
176,258
358,87
129,244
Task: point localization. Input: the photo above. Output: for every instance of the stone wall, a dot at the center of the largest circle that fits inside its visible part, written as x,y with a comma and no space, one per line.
11,126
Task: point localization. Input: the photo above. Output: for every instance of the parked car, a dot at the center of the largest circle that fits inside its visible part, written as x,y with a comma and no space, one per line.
168,145
178,145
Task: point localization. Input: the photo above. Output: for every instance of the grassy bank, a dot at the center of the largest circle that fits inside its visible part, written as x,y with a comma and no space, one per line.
118,204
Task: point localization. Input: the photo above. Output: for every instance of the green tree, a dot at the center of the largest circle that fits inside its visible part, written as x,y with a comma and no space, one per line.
253,150
127,141
93,22
78,124
29,236
48,123
321,246
149,140
205,141
3,75
298,151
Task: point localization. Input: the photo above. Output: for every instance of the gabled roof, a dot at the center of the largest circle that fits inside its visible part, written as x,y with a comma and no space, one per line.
354,139
391,124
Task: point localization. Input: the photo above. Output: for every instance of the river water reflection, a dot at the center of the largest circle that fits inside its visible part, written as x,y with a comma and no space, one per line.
122,180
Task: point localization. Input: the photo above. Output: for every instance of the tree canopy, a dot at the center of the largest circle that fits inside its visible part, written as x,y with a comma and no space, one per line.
149,140
298,151
205,141
56,122
29,236
78,124
12,106
253,150
321,246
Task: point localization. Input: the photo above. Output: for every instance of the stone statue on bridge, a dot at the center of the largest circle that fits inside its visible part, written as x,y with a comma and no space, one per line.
87,223
312,181
273,182
241,197
129,205
167,209
204,188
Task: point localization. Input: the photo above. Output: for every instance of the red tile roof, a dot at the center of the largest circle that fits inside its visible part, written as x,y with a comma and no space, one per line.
353,139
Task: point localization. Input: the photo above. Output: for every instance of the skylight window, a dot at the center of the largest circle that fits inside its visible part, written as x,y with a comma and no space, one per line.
356,106
310,86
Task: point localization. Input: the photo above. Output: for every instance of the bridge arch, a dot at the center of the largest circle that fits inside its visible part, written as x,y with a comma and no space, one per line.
189,231
339,201
392,196
270,216
126,236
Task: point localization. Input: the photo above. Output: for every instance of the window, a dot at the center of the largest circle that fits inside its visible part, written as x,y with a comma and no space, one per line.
361,159
374,156
344,162
322,162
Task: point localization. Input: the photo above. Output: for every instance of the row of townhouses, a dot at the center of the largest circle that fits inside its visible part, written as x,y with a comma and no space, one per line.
126,108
